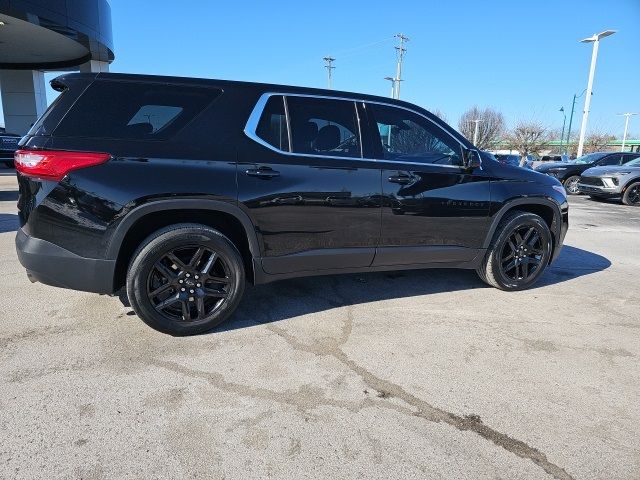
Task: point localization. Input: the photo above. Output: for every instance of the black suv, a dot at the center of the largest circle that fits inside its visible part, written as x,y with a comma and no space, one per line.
569,172
182,189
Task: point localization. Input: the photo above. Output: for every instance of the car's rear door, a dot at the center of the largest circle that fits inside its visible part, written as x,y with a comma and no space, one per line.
302,178
434,210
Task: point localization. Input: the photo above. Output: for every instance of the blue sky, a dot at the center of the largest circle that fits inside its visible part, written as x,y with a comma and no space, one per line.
520,57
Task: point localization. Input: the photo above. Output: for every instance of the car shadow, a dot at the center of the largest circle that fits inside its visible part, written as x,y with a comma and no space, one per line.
8,195
8,222
291,298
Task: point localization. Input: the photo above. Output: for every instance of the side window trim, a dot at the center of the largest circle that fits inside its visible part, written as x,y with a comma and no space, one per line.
254,117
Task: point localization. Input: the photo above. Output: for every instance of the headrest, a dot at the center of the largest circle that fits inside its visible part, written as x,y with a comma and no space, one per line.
328,138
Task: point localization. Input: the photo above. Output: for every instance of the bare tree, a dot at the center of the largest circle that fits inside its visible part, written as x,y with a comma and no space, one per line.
528,137
440,114
597,141
490,126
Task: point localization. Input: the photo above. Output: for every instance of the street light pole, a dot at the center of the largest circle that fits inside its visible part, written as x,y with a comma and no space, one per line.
393,85
626,127
475,131
573,106
595,39
563,124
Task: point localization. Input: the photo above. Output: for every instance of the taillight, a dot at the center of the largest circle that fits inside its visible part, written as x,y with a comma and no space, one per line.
55,164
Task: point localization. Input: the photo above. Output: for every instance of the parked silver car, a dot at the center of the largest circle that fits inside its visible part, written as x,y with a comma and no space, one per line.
613,181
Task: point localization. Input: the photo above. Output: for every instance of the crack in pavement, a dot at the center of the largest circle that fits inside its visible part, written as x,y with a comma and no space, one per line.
421,408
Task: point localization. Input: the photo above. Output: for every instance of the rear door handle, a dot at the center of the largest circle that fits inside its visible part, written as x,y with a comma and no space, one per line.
401,178
262,172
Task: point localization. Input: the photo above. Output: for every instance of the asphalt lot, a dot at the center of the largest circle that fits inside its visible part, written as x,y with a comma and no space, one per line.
426,374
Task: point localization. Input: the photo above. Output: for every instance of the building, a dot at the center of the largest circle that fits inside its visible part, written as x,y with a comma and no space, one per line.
44,35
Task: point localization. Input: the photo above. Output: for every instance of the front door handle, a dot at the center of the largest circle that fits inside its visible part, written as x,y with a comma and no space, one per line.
262,172
401,178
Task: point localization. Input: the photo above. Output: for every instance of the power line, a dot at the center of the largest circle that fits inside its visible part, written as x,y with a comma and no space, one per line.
329,61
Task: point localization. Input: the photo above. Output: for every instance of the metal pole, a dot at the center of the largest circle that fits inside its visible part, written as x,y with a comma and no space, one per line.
475,131
563,124
573,106
626,128
587,99
401,51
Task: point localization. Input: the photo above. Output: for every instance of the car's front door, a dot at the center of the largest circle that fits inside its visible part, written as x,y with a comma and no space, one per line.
301,177
434,210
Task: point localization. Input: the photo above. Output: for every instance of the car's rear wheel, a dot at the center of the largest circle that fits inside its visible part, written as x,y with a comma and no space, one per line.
185,279
632,195
571,185
519,252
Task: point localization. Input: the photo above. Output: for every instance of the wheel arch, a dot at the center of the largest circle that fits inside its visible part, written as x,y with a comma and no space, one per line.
143,220
548,210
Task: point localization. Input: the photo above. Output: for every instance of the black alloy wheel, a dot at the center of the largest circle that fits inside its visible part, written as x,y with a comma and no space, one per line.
189,283
519,252
632,195
522,254
185,279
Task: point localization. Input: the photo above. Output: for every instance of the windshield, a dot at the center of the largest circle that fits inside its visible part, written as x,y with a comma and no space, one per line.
590,158
633,163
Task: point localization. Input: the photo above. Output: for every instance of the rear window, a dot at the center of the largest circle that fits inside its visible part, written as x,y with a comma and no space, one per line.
138,111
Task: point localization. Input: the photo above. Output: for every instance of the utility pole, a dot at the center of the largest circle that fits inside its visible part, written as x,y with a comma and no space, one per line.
400,51
626,127
595,39
329,67
475,131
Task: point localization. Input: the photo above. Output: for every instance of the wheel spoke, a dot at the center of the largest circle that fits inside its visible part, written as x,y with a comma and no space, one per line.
160,290
186,311
164,271
510,266
512,246
169,301
208,292
527,235
518,238
210,262
508,257
197,257
176,261
533,240
224,280
525,269
200,307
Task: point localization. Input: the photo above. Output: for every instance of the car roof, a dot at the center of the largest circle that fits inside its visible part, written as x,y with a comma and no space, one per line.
263,87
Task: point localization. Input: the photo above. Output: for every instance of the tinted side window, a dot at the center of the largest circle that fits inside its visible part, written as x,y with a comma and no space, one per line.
611,160
134,110
324,127
272,127
628,157
408,137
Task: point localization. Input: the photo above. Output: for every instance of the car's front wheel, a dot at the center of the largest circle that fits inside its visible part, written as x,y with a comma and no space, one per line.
632,195
185,279
571,185
519,252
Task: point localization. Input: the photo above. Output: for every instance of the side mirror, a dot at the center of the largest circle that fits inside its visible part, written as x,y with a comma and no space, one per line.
472,159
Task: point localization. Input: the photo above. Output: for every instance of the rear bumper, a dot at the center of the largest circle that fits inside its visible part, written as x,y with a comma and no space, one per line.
53,265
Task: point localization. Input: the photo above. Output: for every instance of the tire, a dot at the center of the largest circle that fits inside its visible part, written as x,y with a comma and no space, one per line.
185,279
535,255
631,195
571,185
